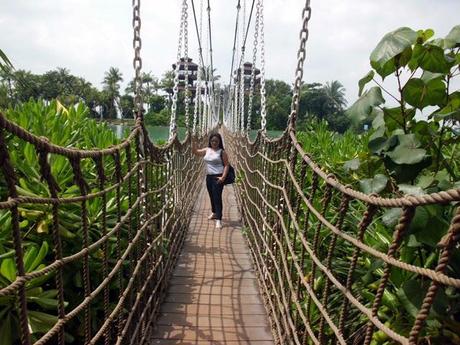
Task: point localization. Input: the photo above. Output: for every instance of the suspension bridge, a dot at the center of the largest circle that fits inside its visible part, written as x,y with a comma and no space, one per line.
277,273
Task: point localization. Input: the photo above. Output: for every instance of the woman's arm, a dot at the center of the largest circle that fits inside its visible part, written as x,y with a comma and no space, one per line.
226,167
196,151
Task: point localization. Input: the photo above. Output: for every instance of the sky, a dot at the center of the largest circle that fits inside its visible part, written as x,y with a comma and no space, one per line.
89,36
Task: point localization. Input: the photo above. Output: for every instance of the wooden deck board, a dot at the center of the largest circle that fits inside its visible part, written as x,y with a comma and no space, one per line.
213,296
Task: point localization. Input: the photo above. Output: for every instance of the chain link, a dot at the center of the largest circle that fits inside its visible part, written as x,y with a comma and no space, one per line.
306,15
196,114
206,91
253,70
137,61
243,48
205,110
197,100
138,104
186,88
172,124
263,109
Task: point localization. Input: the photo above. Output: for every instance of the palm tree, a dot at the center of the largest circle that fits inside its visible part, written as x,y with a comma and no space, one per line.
111,87
335,92
206,71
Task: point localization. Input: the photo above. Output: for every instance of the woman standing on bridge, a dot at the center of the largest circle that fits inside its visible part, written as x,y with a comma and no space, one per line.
217,167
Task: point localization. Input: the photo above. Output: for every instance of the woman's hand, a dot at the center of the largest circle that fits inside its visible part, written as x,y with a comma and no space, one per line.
220,180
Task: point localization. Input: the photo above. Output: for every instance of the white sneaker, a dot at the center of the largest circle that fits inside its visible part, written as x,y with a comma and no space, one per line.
218,224
212,216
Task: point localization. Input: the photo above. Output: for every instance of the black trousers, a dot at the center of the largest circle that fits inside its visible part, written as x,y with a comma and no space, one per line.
215,194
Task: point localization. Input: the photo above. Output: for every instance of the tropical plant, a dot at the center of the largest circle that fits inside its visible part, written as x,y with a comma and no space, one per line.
335,92
412,137
64,127
111,89
324,102
412,149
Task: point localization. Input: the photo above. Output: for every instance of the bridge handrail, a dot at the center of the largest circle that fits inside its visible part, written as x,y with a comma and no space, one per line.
148,230
407,200
287,230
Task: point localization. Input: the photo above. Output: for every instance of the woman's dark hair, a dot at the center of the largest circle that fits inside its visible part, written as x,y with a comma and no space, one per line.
218,136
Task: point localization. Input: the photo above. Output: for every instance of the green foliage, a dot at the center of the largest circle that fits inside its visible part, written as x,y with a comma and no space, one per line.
67,127
424,69
161,118
278,103
20,86
409,154
392,51
156,103
111,90
324,102
341,154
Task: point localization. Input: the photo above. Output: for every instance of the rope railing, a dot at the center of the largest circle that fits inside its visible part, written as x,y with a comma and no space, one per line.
133,211
316,243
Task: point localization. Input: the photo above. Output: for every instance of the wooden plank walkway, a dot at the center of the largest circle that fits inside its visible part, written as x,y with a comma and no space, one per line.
213,296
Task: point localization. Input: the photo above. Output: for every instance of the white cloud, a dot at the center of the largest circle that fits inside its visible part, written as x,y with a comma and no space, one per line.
88,37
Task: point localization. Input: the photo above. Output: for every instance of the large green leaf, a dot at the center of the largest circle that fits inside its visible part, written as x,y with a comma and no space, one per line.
452,109
29,257
391,45
408,140
411,296
407,152
453,37
352,164
424,35
378,120
40,256
420,94
45,299
41,322
390,217
427,76
406,155
417,52
8,269
432,59
405,173
386,69
362,108
378,142
394,117
428,225
364,80
373,185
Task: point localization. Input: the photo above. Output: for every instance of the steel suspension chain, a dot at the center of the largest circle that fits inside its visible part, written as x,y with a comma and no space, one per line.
138,102
253,69
263,110
196,114
301,54
137,61
243,48
186,88
172,125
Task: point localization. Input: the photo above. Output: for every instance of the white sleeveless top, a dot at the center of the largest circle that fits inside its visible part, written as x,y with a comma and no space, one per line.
213,160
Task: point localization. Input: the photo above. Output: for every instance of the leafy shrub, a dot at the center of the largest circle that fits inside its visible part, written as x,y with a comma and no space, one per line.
68,128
